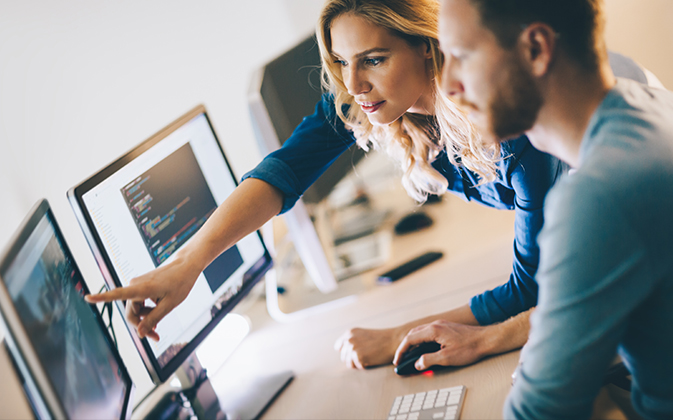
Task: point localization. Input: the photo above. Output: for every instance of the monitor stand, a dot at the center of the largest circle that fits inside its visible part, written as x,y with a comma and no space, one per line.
238,398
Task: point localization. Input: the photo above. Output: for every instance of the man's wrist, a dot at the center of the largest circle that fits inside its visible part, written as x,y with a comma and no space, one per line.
493,339
505,336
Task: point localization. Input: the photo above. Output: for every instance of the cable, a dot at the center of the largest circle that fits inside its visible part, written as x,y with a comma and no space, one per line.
191,392
108,306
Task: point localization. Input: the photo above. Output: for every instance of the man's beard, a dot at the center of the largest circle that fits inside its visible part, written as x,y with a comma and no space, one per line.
515,106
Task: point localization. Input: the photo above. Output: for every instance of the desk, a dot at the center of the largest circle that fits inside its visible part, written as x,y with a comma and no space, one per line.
325,389
477,242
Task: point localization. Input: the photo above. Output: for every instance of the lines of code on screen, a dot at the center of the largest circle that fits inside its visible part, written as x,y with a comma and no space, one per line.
169,203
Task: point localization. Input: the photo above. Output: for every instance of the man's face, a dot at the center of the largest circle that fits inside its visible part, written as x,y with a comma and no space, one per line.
491,84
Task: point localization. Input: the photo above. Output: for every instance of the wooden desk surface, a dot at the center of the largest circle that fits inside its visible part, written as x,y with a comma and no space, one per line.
324,388
477,242
478,256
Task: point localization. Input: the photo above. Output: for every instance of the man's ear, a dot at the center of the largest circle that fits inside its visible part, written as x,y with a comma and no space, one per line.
538,45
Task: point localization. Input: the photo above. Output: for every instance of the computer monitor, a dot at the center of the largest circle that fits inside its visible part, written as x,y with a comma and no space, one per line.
66,360
140,209
281,94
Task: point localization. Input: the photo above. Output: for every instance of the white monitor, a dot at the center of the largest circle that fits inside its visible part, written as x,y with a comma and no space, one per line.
140,209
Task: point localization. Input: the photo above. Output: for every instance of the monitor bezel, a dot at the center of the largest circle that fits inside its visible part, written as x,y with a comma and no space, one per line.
37,386
75,197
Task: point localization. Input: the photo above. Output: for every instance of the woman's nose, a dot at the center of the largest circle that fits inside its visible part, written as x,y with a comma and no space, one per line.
356,83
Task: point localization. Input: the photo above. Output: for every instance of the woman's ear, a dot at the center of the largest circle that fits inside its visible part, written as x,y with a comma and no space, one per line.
428,49
537,42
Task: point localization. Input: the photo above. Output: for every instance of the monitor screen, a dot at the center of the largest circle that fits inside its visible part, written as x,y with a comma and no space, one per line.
138,211
61,349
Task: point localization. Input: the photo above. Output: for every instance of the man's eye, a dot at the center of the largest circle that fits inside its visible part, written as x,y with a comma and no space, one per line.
457,56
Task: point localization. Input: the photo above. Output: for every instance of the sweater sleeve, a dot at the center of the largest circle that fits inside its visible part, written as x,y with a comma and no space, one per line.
582,315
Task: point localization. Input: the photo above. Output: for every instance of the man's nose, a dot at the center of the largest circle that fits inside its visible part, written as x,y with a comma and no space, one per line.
451,84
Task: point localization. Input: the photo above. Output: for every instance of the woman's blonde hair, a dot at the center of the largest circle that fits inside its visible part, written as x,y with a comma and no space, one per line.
414,140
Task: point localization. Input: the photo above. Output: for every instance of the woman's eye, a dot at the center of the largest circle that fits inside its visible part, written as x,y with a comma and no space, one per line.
341,63
373,61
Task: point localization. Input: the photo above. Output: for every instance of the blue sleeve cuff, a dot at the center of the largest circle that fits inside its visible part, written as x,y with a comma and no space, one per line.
505,301
486,309
277,173
313,146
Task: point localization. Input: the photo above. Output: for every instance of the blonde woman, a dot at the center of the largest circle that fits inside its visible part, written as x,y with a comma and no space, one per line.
382,73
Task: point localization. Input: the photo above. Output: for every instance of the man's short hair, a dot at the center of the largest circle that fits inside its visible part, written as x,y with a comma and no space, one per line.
579,24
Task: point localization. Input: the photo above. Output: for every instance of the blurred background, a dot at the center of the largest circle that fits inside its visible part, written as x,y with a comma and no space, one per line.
82,82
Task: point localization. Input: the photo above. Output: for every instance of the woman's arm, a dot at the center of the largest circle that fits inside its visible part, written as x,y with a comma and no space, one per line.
491,323
313,146
250,205
530,174
271,188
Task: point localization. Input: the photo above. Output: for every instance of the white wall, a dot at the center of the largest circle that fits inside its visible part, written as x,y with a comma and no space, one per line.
643,30
81,82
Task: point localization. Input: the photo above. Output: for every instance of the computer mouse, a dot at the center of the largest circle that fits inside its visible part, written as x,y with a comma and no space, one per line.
408,359
413,222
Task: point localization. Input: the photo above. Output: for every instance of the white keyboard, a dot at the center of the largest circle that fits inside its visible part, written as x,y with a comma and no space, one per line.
431,405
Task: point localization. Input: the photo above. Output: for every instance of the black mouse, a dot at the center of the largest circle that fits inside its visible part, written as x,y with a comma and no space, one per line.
408,359
413,222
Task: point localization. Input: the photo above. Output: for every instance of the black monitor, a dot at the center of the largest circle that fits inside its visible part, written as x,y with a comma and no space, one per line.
289,89
281,94
140,209
66,360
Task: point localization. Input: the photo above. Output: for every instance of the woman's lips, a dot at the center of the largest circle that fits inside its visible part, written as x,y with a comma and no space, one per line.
370,107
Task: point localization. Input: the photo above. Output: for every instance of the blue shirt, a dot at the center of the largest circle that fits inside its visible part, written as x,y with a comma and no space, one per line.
524,177
606,267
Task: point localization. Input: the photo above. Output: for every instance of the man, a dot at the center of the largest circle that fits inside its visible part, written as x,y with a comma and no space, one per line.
606,271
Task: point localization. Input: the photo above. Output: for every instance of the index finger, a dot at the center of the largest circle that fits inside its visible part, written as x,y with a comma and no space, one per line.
119,293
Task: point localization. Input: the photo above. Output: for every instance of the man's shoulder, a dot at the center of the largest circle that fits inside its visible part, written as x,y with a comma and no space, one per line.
633,121
623,66
622,180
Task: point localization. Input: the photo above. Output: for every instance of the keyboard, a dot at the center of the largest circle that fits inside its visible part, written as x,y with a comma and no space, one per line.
437,404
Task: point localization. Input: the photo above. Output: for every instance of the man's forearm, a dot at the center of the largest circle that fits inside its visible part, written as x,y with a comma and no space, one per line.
508,335
497,338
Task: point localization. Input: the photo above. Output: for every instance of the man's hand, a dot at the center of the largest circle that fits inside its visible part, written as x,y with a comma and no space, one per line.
362,348
461,344
463,341
166,286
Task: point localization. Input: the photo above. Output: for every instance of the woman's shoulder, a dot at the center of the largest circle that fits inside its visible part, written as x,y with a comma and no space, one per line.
515,146
530,172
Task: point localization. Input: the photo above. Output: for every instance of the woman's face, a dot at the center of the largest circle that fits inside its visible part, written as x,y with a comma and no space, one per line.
385,75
